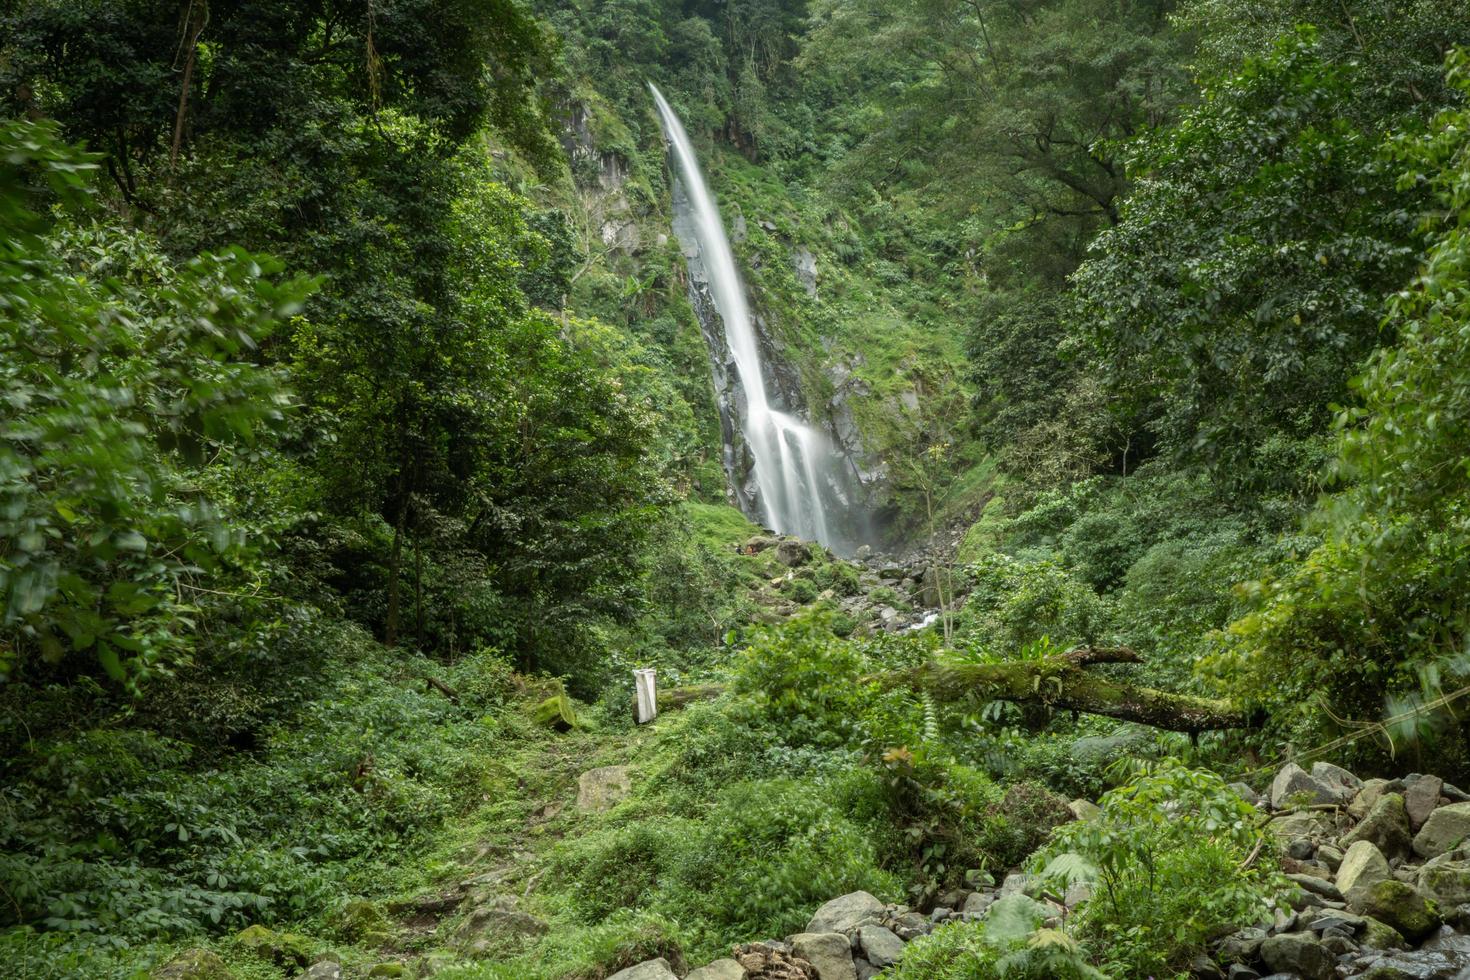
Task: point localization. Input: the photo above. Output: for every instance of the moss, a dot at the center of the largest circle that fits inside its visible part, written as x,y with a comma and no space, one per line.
363,922
556,712
1400,906
194,964
281,948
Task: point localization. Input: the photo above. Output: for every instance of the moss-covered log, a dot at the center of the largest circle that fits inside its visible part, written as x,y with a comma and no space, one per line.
1063,682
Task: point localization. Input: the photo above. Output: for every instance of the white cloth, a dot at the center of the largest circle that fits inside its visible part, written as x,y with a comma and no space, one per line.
647,695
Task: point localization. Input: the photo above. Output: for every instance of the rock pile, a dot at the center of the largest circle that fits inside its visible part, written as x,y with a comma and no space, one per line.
1383,880
854,937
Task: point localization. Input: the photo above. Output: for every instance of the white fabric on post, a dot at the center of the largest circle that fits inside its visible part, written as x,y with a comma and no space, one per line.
647,695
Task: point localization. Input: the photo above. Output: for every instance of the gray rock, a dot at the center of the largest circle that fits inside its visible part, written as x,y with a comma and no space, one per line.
1363,866
193,964
847,914
1369,795
1242,946
1342,782
1301,849
498,920
1302,825
1317,886
1330,856
601,789
1386,825
648,970
939,913
1019,883
865,970
1400,906
830,953
1293,783
322,970
909,926
1084,809
977,905
1446,882
1445,828
792,552
881,947
1420,800
1246,793
1239,971
1299,953
725,969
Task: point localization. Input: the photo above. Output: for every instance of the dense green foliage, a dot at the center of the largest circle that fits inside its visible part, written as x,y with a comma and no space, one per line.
354,406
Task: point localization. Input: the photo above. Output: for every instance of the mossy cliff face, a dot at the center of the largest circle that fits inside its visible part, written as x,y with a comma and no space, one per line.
847,343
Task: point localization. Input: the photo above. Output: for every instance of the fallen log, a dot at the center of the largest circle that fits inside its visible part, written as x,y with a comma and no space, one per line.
1064,683
1061,681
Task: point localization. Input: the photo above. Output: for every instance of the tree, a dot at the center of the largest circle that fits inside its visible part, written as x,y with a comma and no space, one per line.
125,380
1245,278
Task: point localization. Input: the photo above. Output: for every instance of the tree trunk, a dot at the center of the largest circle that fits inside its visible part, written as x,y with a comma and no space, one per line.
1063,682
395,564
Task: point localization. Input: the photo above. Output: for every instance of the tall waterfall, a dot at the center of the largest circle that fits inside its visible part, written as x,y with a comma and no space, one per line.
798,475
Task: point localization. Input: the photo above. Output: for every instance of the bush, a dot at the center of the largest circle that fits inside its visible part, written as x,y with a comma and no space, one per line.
1166,855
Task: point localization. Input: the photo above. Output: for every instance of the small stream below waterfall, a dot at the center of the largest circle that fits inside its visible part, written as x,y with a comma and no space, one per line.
785,471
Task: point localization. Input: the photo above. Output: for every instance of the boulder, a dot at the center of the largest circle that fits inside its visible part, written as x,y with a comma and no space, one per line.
881,947
725,969
281,948
388,970
1244,791
1400,906
1317,886
649,970
497,922
556,712
1300,826
193,964
1084,809
1243,946
1330,856
601,789
1369,795
977,905
1377,934
1446,827
792,552
829,953
1386,825
1446,883
1338,779
1363,866
1421,799
1299,953
1293,784
757,544
847,914
322,970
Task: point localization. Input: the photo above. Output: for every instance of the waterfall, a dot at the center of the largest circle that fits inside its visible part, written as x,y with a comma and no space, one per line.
798,475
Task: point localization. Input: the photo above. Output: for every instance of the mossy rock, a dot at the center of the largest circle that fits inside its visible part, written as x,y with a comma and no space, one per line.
282,948
1402,907
1380,935
193,964
362,921
388,970
556,712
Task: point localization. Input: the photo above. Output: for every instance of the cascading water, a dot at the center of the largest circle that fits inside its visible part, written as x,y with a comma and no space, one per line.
797,474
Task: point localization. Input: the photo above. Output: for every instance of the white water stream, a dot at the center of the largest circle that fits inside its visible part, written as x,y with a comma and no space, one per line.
794,464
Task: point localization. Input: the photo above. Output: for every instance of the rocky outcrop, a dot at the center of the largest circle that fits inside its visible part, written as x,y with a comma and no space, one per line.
1383,883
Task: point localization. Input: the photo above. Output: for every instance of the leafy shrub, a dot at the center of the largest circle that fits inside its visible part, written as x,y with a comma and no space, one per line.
1007,945
1017,601
1168,854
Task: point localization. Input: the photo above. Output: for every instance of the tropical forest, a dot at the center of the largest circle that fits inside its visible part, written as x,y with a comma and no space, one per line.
734,489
